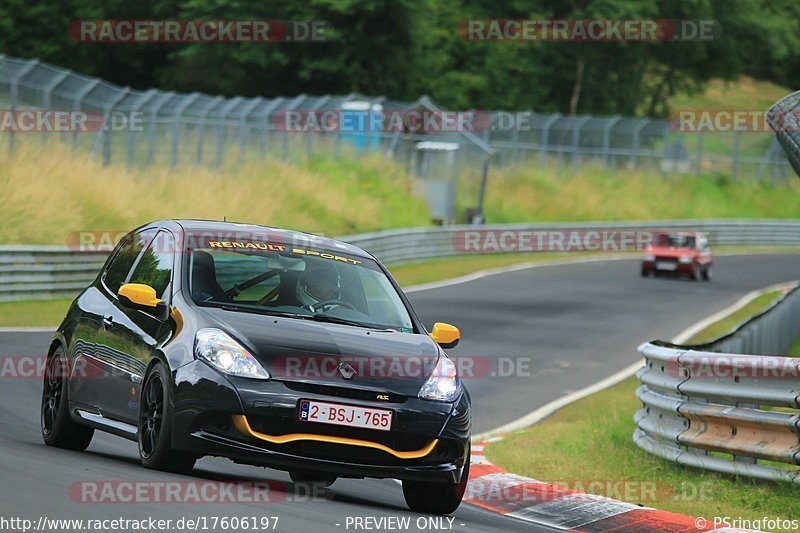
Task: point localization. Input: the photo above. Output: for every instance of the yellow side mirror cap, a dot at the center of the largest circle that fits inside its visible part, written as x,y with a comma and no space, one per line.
138,294
445,335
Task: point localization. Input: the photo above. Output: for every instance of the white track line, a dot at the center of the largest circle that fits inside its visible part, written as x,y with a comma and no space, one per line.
513,268
548,409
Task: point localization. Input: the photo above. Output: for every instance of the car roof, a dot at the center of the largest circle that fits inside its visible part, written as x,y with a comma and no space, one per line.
287,235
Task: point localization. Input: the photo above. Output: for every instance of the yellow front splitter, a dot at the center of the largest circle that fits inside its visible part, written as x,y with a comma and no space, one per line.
240,422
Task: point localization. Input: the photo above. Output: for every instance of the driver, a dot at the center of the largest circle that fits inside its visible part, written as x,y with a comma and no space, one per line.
319,284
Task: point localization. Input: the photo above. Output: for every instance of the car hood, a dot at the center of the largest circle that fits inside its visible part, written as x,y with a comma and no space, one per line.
304,351
671,252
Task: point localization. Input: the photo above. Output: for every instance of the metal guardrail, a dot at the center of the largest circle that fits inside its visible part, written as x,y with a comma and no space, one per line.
40,272
720,407
403,245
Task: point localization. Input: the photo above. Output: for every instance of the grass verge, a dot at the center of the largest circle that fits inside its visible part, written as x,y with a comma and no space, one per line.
794,351
542,193
575,447
35,313
727,324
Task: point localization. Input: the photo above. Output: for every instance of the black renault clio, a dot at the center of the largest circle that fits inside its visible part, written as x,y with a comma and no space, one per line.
266,346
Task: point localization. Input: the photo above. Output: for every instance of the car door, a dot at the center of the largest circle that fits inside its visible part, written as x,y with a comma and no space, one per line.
133,334
88,371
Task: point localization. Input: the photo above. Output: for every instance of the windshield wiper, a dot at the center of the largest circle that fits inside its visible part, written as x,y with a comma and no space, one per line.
250,309
318,317
335,320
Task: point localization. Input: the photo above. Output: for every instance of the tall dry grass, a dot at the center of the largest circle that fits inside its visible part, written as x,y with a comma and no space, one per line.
48,192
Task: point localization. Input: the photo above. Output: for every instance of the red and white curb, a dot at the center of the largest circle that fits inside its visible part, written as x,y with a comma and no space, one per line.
496,490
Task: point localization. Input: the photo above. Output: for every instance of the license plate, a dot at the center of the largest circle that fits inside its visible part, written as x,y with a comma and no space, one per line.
665,265
345,415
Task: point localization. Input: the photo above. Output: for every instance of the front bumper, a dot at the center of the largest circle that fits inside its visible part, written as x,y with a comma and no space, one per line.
677,269
255,422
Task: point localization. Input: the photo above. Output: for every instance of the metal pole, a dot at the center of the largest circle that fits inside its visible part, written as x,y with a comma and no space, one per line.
337,141
576,139
484,180
143,99
223,128
515,144
264,118
699,161
487,133
636,133
105,130
15,95
310,135
78,102
545,144
613,121
48,92
369,134
291,107
201,134
176,127
243,128
152,130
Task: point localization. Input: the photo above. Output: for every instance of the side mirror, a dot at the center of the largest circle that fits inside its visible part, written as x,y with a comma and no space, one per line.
445,335
138,296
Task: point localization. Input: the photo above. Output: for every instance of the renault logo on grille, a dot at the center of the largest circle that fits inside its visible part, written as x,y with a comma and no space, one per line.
346,370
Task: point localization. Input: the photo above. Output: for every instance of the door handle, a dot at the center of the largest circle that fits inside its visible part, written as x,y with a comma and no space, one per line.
107,322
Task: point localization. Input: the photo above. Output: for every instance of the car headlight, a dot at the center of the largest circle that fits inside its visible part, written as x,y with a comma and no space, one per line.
685,259
649,258
443,384
219,350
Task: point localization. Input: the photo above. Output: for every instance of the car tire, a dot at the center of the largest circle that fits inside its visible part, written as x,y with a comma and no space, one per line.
155,426
436,498
708,273
645,273
58,427
312,478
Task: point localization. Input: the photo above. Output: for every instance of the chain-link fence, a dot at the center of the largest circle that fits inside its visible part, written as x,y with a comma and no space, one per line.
141,128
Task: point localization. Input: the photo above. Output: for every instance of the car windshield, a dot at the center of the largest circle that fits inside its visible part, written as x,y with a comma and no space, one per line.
297,282
675,240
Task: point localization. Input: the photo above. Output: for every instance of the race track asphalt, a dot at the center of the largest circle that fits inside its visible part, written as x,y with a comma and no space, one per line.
563,328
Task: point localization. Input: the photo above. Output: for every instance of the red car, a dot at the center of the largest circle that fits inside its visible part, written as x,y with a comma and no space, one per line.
682,253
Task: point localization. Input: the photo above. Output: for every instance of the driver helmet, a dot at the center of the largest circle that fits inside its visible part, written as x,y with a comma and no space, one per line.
318,285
